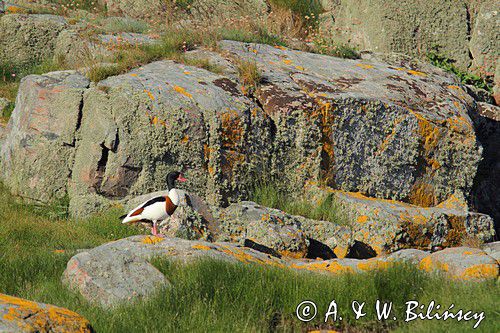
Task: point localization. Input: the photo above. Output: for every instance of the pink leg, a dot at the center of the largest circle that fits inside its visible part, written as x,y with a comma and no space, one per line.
155,230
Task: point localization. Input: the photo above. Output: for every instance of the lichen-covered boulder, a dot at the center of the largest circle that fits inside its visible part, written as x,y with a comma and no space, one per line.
125,39
390,131
408,26
485,40
37,156
462,263
27,39
282,232
493,250
200,10
388,225
19,315
120,272
165,116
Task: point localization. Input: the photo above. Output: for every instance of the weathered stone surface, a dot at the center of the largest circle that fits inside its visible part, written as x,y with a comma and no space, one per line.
416,27
387,225
20,315
126,39
413,256
139,126
389,130
493,250
385,130
485,40
36,158
120,271
27,39
485,196
462,263
196,9
282,232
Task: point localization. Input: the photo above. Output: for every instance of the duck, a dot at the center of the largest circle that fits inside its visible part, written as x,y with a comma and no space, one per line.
158,208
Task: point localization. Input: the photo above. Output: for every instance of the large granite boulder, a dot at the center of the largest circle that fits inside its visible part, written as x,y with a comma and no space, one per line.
37,157
29,39
195,9
19,316
408,26
485,40
388,130
391,129
462,263
388,225
120,272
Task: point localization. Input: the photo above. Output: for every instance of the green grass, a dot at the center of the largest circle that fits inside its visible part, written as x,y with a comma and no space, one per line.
210,296
123,24
328,209
307,9
465,77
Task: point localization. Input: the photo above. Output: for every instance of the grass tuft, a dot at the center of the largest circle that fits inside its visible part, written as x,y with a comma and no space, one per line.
270,195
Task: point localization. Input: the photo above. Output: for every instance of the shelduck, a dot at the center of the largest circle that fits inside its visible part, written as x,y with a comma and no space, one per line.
158,208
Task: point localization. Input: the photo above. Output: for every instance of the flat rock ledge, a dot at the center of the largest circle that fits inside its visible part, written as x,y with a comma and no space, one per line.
20,315
121,271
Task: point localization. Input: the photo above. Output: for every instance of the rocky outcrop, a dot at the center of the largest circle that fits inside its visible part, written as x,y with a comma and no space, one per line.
38,153
464,31
20,315
28,39
120,271
394,130
195,9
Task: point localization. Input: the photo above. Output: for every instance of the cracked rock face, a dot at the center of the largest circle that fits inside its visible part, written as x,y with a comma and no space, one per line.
389,130
20,315
38,153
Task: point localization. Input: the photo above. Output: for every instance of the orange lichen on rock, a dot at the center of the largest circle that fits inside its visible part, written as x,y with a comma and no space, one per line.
482,271
373,264
152,240
362,219
202,247
182,91
36,317
417,73
365,66
330,267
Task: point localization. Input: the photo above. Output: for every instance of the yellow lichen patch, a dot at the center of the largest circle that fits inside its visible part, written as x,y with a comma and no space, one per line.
482,271
15,10
331,267
453,203
373,264
185,139
149,94
362,219
287,61
340,251
133,74
280,47
454,87
300,68
365,66
152,240
434,164
417,73
182,91
426,264
467,253
187,72
294,254
201,247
